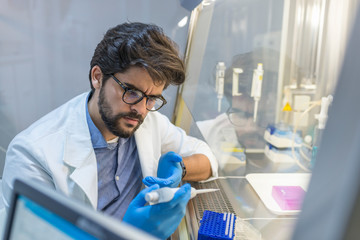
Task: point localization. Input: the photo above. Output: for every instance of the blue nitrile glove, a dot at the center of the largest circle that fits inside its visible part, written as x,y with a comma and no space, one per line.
162,219
169,171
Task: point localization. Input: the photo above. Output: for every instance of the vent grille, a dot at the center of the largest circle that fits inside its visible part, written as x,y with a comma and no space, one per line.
214,201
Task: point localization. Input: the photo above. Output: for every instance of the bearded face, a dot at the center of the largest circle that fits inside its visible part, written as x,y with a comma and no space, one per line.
122,124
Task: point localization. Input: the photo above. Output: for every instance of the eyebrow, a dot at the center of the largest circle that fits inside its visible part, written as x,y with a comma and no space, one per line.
129,85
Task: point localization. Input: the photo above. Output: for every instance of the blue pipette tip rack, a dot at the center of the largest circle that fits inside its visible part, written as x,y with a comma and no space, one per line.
219,226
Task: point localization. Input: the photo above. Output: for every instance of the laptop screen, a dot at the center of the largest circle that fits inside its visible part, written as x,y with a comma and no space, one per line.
44,224
37,212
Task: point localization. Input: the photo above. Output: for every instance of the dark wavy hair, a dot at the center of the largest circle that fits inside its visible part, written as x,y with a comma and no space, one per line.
142,45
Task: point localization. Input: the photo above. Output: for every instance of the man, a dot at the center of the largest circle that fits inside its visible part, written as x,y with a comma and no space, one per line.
98,147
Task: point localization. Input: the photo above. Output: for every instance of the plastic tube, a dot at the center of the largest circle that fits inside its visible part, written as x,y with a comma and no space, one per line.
323,115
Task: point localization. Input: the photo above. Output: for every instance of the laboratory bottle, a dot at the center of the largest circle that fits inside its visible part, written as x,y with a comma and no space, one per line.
319,129
317,139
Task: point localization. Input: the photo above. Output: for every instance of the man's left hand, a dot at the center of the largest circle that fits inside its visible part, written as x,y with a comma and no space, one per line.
169,171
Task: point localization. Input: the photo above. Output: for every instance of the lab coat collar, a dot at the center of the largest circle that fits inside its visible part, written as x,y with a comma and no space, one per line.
79,152
78,146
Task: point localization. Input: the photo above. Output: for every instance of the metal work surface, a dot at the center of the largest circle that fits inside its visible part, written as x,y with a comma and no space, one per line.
216,201
236,195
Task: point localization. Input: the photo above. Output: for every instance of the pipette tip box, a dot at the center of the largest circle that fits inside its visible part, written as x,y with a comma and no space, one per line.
288,197
219,226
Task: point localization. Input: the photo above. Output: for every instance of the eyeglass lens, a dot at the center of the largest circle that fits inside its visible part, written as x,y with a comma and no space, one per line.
133,96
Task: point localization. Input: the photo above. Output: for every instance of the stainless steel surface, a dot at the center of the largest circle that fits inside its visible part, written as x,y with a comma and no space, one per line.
216,201
237,196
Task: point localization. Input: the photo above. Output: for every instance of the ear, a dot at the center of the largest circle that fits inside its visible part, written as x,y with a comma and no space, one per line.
96,77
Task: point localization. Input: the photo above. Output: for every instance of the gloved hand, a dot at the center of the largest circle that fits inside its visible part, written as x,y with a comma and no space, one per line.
162,219
169,171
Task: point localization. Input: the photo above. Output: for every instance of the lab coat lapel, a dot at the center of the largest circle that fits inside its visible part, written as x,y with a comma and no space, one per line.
85,169
144,143
79,154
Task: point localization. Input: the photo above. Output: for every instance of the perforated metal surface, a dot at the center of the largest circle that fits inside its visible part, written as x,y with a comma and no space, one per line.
219,202
215,201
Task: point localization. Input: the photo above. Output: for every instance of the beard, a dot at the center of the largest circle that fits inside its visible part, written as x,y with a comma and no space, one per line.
112,121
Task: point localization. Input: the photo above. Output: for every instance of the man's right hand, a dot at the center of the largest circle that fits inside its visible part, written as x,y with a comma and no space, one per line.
162,219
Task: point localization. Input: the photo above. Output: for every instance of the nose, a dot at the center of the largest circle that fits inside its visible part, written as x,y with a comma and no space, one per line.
140,107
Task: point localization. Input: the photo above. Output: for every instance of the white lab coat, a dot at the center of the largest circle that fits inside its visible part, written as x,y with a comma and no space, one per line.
57,151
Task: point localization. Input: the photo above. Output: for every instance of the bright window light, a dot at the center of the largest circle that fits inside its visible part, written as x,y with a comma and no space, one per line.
183,21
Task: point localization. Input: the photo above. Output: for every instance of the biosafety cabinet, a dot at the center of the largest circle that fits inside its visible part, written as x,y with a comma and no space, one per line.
260,80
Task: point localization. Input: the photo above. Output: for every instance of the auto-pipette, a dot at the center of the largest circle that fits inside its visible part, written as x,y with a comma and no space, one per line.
256,87
165,194
220,75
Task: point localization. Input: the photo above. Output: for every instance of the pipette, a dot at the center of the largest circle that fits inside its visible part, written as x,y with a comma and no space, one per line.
220,75
256,87
165,194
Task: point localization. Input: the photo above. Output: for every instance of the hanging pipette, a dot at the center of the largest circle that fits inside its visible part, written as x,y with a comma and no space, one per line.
256,87
166,194
220,75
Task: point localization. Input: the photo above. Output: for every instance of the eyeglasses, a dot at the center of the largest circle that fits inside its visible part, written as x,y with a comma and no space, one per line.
237,117
132,96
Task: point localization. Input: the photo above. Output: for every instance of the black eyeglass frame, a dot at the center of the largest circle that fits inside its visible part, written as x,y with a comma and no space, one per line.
123,86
